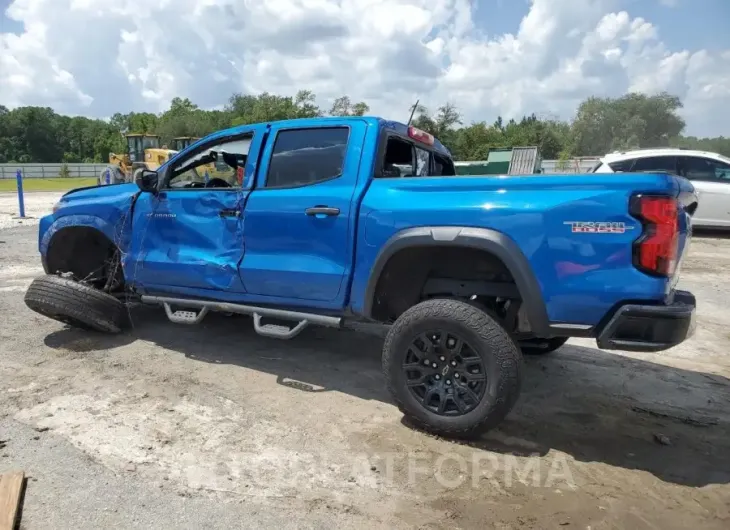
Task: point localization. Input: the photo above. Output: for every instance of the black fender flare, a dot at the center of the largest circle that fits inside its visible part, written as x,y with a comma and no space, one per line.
492,241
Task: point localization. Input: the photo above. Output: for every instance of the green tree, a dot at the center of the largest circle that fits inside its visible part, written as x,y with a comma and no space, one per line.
342,106
38,134
632,121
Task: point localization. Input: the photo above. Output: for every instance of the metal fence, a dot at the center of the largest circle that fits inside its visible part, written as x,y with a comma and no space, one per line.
39,171
7,171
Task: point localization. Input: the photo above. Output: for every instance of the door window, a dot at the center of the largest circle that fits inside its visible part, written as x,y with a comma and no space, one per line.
219,166
306,156
697,168
656,163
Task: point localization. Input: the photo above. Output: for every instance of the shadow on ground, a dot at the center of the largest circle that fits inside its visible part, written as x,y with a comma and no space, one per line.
711,233
593,405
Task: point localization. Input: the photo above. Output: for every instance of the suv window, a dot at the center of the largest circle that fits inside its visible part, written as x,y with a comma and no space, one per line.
656,163
306,156
622,165
697,168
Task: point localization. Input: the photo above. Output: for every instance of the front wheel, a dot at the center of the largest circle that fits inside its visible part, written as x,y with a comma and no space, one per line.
451,368
75,304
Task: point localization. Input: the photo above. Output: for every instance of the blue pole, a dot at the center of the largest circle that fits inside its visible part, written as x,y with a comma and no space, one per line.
21,202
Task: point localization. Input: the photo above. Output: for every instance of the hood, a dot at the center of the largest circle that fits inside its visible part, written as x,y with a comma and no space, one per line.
97,192
97,200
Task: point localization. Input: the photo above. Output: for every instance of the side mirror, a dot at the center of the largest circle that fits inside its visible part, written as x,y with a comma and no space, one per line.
147,180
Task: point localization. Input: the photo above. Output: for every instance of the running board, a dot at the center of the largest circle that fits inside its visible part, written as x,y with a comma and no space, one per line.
277,332
268,330
185,317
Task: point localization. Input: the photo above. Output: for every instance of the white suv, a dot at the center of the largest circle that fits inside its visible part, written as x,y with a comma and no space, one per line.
709,173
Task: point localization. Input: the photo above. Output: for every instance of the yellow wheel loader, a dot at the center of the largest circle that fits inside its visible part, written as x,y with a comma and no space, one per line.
181,142
143,152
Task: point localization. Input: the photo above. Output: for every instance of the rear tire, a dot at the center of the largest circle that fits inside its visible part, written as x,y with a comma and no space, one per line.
75,304
542,346
477,371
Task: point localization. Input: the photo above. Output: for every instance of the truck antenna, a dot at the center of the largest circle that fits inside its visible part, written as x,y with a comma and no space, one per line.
413,111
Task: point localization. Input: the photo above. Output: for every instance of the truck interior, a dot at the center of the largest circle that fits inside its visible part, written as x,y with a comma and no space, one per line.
404,158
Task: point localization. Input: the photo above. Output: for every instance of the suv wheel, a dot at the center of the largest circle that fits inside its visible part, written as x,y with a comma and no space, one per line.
451,368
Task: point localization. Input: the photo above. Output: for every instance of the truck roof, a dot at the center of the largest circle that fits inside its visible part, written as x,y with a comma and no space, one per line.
398,127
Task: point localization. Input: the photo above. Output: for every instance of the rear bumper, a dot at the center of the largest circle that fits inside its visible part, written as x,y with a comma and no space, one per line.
650,328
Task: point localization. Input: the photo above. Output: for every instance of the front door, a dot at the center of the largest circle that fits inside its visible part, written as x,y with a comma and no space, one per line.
299,227
190,235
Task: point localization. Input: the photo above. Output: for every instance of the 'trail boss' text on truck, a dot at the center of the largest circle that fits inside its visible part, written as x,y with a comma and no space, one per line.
328,221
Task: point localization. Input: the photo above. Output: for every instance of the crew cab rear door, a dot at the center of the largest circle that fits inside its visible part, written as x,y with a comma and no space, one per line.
299,220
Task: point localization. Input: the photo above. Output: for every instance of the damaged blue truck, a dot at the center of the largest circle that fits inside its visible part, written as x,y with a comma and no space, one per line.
333,221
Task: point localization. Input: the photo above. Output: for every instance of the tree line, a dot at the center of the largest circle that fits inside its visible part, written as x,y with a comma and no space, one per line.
601,125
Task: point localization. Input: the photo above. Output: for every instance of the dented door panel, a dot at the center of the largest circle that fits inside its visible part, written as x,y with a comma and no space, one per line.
191,238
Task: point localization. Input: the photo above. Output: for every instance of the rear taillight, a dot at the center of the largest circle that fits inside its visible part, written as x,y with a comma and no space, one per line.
655,252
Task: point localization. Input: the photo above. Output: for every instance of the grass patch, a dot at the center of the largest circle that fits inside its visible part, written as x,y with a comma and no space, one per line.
57,184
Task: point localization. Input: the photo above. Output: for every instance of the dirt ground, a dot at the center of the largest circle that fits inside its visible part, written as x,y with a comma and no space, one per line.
212,426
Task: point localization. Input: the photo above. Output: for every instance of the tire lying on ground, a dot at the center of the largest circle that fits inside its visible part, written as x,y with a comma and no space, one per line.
451,368
75,304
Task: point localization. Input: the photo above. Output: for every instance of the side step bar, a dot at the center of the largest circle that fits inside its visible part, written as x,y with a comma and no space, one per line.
267,330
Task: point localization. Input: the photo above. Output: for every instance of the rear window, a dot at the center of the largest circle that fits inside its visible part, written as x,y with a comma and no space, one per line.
404,158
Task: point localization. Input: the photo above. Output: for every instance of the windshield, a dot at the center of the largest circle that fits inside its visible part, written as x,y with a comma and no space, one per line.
150,142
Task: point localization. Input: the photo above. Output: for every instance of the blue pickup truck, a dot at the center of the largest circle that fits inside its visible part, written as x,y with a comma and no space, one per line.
333,221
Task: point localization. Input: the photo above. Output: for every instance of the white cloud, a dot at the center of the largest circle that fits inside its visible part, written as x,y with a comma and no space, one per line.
96,57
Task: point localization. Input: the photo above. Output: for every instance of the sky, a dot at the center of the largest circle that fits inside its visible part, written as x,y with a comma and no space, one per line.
487,57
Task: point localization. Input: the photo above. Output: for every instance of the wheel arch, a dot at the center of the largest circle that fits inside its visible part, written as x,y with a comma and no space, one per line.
77,221
491,241
85,250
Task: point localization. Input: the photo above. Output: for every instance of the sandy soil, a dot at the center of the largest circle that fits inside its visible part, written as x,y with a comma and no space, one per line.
180,427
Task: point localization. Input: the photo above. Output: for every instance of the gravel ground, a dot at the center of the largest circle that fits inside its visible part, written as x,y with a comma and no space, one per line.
37,204
168,426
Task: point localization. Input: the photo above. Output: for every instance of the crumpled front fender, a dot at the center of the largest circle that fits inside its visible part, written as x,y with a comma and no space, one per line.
115,232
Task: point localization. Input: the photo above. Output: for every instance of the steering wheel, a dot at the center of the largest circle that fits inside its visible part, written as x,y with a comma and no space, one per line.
217,183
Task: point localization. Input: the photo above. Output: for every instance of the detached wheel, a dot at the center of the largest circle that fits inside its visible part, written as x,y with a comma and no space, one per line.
75,304
451,368
542,346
